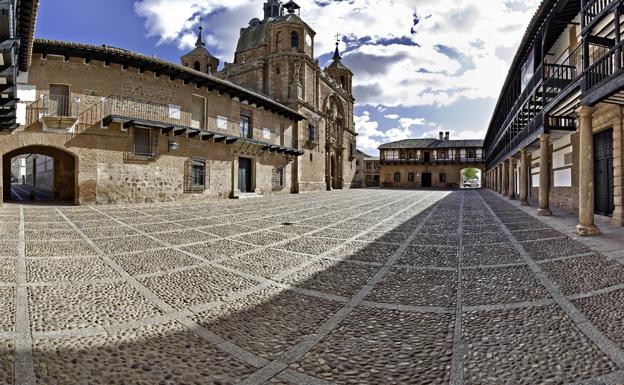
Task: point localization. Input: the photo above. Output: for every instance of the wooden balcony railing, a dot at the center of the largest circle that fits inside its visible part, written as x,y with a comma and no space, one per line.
594,10
605,68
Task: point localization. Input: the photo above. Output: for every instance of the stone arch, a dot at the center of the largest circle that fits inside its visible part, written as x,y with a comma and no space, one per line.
65,171
480,176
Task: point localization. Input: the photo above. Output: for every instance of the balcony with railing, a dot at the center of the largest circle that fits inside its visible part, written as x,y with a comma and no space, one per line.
54,112
594,11
600,76
171,119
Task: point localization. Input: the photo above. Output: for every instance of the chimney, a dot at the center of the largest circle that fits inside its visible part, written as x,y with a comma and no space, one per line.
441,135
447,136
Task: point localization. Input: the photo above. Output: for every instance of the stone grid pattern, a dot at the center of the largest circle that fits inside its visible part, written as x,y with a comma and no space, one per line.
349,287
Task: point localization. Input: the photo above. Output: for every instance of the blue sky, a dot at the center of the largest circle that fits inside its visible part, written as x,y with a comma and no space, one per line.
421,66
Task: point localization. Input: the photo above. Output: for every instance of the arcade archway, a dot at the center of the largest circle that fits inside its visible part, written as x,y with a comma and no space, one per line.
39,174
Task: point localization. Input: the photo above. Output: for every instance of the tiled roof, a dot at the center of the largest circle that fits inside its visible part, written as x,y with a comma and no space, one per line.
122,56
431,143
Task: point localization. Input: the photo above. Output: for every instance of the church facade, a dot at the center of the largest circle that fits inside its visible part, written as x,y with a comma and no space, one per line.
121,127
275,56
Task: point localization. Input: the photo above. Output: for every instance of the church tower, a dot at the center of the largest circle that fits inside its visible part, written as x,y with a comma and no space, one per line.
199,58
275,56
339,72
273,9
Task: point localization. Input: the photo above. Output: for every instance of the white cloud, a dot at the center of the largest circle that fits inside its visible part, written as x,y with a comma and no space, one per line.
392,116
448,55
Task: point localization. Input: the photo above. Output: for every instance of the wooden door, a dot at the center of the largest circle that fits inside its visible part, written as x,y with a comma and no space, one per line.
603,172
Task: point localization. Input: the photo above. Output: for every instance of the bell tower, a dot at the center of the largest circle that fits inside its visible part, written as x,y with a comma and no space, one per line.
273,9
199,58
339,72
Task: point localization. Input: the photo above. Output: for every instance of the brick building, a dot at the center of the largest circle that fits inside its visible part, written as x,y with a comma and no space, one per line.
124,127
424,163
556,132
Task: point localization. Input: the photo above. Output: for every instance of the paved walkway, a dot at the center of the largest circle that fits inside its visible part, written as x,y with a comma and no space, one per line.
351,287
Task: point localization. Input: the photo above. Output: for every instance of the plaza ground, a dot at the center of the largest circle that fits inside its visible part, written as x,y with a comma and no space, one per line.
348,287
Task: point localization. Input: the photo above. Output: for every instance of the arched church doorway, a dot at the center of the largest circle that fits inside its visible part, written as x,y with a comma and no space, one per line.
39,174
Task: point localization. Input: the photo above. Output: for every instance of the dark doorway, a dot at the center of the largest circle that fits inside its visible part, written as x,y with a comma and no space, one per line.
244,175
426,179
59,100
427,157
39,174
603,172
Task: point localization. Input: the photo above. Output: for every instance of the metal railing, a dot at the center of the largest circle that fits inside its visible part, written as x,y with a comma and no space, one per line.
433,160
62,106
130,108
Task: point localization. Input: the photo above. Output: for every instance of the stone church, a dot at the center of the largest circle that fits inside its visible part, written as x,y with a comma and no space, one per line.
275,56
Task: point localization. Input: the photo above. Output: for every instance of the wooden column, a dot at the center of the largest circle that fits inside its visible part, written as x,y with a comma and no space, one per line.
586,225
524,178
544,187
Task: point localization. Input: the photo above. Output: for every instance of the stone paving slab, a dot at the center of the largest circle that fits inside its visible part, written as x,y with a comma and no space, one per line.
162,354
7,310
538,345
269,322
361,350
353,287
6,362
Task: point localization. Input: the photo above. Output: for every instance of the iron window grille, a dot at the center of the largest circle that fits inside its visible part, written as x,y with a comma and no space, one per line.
410,177
197,176
144,144
279,180
397,177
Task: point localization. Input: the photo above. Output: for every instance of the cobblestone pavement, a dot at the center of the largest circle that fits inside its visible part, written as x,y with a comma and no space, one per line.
349,287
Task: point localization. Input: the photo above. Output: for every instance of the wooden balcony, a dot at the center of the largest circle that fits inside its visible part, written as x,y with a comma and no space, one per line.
594,11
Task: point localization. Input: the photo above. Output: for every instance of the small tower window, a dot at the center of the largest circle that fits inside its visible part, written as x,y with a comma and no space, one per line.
197,66
278,41
294,39
343,81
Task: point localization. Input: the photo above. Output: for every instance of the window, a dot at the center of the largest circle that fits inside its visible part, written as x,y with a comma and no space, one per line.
278,42
245,127
343,82
442,178
294,39
397,176
410,177
145,142
368,166
197,66
279,178
313,133
198,174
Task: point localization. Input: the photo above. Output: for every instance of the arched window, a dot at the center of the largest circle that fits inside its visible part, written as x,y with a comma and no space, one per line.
278,41
294,39
397,176
343,81
197,66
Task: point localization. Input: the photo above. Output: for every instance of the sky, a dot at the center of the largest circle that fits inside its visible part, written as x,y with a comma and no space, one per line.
420,66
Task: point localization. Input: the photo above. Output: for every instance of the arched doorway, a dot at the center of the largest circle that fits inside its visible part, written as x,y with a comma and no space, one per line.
39,174
470,177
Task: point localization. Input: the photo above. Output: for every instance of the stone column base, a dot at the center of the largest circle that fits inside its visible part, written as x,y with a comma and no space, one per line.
544,212
587,231
524,203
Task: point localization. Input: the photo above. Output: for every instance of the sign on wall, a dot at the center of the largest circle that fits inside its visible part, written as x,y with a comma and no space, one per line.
528,69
